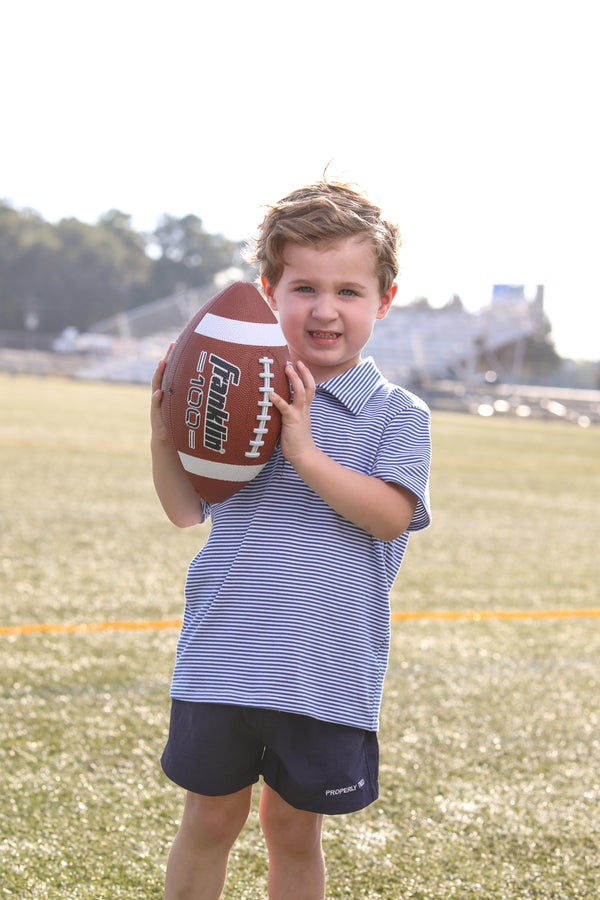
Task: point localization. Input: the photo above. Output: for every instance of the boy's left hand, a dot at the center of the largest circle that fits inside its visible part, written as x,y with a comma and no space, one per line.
383,509
296,435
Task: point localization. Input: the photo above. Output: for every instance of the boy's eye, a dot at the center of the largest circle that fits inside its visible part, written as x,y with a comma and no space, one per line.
307,289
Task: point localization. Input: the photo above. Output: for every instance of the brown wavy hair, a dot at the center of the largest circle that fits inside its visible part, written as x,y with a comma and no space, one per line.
321,214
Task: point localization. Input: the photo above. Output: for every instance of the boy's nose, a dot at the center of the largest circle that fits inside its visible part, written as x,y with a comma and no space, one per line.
324,308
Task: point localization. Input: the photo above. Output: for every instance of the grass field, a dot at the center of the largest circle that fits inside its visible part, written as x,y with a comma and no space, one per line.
490,740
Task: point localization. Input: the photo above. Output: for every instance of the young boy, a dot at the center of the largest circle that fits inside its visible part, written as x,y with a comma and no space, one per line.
285,638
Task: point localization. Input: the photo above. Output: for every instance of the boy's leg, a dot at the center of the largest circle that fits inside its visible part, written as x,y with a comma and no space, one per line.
293,838
197,863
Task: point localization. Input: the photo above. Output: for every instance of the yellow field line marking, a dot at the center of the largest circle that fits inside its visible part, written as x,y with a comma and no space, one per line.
88,627
474,615
477,615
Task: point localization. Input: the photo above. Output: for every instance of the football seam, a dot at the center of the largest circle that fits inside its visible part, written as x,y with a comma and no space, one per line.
262,417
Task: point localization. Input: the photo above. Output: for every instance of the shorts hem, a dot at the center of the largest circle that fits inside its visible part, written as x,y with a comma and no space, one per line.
333,806
195,787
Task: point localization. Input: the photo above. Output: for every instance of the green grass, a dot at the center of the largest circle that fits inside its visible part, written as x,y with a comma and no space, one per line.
490,746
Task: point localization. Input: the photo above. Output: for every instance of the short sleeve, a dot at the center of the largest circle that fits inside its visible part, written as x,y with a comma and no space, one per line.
404,457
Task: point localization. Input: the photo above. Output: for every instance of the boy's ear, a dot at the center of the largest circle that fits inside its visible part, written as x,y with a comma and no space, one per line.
386,302
269,293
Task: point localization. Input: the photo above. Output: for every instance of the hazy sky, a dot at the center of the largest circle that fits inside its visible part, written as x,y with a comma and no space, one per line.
473,122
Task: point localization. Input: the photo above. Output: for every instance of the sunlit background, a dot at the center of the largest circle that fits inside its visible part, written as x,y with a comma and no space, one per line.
474,124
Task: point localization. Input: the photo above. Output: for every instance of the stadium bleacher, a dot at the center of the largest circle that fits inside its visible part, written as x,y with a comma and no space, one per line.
414,344
440,353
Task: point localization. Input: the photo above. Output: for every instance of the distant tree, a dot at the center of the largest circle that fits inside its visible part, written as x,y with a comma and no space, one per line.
539,359
454,303
70,273
186,255
419,303
27,245
75,274
101,270
133,243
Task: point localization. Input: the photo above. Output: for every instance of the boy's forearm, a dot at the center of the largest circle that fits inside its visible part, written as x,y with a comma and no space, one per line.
179,500
382,509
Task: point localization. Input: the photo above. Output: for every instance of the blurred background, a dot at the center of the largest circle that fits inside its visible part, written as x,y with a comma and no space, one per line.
142,142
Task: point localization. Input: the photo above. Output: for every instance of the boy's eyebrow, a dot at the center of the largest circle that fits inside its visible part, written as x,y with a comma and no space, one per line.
352,285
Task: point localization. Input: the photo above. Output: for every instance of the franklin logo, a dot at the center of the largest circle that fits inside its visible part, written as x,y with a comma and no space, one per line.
215,423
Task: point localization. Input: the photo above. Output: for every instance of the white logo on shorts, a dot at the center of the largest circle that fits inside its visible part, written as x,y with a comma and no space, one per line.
335,792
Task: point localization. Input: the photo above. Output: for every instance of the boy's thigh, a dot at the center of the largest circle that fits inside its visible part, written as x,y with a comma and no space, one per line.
210,749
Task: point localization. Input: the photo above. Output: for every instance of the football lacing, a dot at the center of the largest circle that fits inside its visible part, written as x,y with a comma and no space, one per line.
264,405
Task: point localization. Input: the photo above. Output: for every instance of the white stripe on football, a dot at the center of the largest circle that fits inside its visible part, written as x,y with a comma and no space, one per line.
233,331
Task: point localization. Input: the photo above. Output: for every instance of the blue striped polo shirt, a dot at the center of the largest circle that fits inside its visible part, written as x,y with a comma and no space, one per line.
287,604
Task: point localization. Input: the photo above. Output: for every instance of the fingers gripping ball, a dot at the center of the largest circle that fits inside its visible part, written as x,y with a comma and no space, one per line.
216,406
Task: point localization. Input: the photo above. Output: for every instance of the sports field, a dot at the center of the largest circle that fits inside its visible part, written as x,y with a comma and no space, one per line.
490,740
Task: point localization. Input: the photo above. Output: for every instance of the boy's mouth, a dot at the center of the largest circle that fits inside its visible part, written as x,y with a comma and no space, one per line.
325,335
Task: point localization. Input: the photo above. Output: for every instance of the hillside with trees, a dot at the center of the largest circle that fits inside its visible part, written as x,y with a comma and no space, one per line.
74,274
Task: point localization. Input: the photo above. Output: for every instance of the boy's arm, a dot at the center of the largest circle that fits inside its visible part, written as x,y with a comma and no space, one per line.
383,509
179,500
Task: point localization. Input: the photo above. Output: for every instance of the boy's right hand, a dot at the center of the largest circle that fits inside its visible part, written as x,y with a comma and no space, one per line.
159,432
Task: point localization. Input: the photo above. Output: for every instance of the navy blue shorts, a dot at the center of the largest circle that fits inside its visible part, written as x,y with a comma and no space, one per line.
216,749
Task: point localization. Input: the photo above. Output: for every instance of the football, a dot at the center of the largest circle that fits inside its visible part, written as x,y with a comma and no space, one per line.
216,405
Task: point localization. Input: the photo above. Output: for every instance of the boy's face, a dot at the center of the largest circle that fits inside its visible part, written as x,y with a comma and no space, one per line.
328,299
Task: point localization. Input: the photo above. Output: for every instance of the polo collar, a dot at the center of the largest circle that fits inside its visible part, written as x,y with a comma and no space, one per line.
354,387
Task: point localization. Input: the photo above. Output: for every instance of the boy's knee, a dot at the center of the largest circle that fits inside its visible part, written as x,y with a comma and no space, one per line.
293,831
215,820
